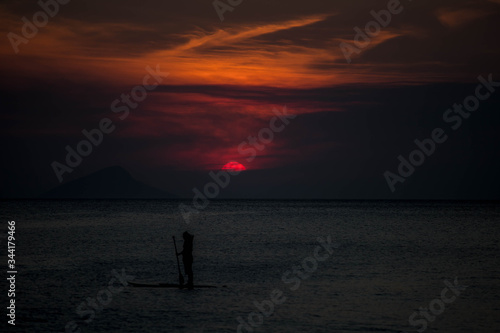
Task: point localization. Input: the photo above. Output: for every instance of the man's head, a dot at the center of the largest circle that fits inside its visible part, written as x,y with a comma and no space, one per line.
187,236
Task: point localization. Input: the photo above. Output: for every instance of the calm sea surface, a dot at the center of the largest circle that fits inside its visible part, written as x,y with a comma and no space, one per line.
390,260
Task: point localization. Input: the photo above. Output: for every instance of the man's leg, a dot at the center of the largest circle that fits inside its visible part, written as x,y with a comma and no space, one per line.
189,273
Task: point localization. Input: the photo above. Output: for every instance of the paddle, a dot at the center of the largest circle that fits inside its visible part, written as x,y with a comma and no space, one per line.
181,278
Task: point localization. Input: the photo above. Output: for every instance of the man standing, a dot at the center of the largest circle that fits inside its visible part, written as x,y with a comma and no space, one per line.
187,257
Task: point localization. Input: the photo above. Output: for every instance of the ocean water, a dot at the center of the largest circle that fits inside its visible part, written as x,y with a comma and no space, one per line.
389,260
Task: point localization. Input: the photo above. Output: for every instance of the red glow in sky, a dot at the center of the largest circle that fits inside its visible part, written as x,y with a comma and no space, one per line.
234,166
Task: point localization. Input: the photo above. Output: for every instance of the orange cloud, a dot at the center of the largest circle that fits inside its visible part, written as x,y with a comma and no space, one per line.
457,18
239,55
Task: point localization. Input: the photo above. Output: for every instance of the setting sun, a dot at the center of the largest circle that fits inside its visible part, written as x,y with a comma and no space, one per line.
234,166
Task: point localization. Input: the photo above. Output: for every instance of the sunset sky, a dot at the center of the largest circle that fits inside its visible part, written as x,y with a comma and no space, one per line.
224,80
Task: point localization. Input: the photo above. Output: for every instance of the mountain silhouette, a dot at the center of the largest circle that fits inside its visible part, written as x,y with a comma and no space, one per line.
109,183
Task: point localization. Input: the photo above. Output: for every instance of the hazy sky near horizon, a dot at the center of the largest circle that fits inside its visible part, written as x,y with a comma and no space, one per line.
225,79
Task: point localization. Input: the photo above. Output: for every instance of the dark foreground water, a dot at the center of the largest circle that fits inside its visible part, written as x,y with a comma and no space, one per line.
390,260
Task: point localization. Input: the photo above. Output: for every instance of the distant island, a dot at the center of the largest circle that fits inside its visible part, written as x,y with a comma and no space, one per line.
109,183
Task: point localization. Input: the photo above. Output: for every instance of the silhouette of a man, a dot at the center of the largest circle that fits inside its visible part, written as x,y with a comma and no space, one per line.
187,257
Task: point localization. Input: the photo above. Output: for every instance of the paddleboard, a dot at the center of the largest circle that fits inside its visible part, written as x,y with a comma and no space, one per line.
164,285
